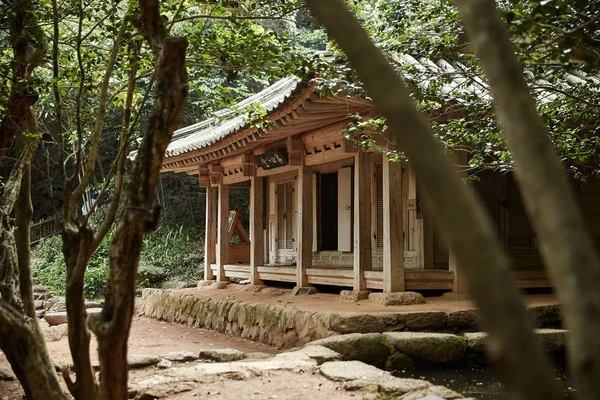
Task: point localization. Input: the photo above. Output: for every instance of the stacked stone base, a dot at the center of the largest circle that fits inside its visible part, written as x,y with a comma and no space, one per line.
286,327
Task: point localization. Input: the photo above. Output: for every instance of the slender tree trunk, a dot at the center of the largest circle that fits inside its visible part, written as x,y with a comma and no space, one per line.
112,325
566,247
462,219
77,248
20,336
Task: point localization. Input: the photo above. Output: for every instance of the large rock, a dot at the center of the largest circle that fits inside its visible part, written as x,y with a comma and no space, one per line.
54,333
433,393
462,320
58,304
38,304
368,347
56,318
222,355
545,316
152,273
430,347
423,320
352,296
396,299
142,360
6,374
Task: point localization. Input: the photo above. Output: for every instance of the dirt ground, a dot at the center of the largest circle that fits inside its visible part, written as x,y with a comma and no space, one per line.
152,337
331,301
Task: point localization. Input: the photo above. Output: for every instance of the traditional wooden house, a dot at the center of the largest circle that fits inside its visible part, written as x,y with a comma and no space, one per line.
323,212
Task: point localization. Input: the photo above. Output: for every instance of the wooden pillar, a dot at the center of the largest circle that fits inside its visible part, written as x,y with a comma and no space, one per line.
460,283
257,242
210,232
223,239
305,224
393,231
362,219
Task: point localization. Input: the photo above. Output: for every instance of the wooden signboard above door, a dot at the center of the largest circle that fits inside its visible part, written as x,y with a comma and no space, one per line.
271,159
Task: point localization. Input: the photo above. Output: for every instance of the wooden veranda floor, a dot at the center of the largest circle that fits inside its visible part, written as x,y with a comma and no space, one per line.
342,276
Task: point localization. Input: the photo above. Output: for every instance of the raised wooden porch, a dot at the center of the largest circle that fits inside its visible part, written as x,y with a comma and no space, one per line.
417,279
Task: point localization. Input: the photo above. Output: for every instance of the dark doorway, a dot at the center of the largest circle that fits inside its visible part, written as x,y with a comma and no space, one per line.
329,211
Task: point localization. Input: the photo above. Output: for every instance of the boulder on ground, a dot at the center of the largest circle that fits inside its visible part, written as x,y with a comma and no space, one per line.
152,273
59,304
38,304
220,285
352,296
396,299
54,333
222,355
56,318
431,347
368,347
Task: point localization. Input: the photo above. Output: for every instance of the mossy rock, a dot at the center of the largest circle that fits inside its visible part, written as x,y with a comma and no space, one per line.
399,361
369,348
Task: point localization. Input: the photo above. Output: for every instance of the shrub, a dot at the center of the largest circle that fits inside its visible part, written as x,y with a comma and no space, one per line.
177,253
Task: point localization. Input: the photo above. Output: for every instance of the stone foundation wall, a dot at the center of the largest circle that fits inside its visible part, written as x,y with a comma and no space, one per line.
286,327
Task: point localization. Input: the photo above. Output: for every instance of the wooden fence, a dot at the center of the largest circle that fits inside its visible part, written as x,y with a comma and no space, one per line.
44,228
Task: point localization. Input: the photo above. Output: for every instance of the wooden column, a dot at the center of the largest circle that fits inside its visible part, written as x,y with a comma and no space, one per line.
210,232
223,239
393,232
460,283
305,224
257,242
362,219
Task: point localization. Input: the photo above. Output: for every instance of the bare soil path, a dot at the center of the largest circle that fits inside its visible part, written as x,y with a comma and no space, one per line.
151,337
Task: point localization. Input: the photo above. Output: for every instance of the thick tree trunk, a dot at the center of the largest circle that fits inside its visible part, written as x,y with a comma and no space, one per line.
461,218
27,354
113,324
566,247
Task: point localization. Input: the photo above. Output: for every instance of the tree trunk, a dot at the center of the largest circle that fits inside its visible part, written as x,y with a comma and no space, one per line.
27,354
462,219
566,247
112,325
77,248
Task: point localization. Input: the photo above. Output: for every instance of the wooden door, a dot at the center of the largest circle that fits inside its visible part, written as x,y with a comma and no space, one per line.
344,182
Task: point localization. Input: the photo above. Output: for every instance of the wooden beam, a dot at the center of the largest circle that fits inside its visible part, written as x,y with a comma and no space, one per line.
257,243
362,219
223,227
210,232
305,225
460,283
327,156
276,171
393,232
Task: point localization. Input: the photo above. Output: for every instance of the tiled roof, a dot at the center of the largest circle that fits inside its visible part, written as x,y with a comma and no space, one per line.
228,121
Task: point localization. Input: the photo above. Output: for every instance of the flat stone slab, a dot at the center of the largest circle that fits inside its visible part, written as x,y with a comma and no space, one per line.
349,370
142,360
431,347
180,356
387,384
222,355
396,299
59,318
552,340
54,333
433,393
320,354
